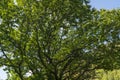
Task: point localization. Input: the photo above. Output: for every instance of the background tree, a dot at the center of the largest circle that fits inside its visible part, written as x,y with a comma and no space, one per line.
57,40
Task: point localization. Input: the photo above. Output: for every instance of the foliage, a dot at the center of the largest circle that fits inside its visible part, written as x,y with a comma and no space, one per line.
108,75
57,40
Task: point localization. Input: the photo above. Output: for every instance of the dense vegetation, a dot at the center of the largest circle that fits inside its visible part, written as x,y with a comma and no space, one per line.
57,40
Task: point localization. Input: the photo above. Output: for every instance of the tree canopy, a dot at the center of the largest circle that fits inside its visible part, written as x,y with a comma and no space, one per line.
57,40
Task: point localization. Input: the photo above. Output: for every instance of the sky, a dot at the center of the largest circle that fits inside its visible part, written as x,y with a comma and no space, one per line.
3,74
106,4
99,4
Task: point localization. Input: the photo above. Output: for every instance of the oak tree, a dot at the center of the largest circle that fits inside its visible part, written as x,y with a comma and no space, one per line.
57,40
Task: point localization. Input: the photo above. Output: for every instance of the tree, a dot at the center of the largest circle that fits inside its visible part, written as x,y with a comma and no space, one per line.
108,75
57,40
